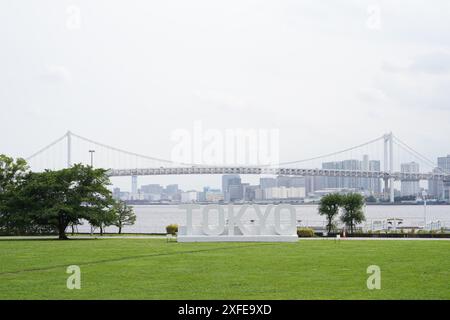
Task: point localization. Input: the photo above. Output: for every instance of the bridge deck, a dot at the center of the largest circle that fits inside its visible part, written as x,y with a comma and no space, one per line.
277,171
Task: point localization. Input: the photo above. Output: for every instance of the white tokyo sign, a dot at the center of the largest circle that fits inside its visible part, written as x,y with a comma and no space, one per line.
231,227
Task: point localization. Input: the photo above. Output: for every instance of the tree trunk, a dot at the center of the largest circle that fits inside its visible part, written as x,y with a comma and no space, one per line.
62,233
120,229
62,225
101,230
329,226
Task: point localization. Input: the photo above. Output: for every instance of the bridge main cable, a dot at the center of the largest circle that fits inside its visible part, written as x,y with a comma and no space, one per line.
333,153
419,155
129,152
46,147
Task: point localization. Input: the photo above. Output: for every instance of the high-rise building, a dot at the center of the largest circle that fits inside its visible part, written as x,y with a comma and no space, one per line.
410,187
116,193
250,192
369,185
283,181
210,195
374,184
134,188
441,189
288,182
314,183
235,192
259,194
231,187
214,195
444,163
284,193
152,189
172,189
189,196
436,187
297,182
267,183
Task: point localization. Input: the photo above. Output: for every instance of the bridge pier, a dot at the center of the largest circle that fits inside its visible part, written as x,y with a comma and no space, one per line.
386,188
391,189
69,149
389,165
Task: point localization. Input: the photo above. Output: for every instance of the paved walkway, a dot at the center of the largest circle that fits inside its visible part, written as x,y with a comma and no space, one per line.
363,238
164,237
79,237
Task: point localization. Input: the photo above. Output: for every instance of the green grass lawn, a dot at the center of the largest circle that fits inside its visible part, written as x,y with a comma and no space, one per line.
155,269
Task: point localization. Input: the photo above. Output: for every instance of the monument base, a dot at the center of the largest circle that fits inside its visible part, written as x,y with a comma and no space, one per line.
237,238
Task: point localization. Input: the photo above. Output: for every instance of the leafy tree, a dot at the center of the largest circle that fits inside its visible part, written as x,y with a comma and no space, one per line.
102,219
12,172
329,207
125,215
64,197
352,204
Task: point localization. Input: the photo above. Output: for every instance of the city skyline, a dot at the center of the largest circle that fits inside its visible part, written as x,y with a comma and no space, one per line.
279,187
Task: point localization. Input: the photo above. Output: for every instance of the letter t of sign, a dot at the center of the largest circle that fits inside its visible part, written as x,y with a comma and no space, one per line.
189,208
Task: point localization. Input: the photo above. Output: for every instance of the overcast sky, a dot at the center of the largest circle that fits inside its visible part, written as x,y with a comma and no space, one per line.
327,74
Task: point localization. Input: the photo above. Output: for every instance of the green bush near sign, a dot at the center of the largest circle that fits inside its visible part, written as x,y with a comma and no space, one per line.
172,229
305,232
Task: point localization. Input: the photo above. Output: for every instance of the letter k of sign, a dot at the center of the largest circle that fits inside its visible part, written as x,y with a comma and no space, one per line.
235,220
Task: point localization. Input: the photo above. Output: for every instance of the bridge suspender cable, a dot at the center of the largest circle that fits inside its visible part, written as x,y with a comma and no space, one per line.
333,153
419,155
127,152
46,147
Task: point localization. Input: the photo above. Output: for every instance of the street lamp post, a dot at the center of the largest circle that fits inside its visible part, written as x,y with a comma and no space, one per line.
424,197
92,166
92,157
365,212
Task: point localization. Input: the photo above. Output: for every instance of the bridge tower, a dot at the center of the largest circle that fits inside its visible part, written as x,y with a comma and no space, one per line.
389,166
69,149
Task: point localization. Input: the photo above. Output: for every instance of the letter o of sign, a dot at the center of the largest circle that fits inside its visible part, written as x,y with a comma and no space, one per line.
292,220
205,222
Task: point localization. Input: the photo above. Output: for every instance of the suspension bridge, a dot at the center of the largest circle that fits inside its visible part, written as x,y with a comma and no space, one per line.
387,153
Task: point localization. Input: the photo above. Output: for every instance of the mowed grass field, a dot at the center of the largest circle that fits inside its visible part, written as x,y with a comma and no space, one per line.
155,269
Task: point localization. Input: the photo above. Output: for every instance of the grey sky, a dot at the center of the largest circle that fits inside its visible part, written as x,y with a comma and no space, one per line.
134,71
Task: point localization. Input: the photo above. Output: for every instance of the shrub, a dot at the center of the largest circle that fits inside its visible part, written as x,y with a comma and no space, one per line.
305,232
172,229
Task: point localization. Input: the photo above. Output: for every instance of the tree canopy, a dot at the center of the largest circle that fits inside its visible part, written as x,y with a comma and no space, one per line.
124,215
353,214
55,199
12,173
352,205
329,207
